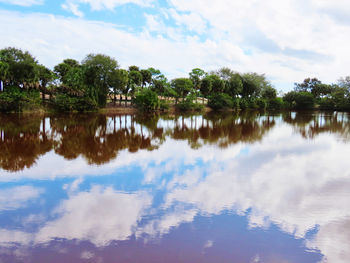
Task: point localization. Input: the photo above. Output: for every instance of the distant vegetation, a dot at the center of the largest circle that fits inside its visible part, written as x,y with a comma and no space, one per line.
98,80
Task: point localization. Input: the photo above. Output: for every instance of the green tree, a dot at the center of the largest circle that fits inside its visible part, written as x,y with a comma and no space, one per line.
234,85
340,98
135,80
21,67
120,79
196,76
299,100
268,92
160,83
206,86
146,100
4,71
146,77
218,101
308,85
321,90
224,73
63,68
218,85
134,68
75,83
253,83
45,76
99,69
182,87
345,83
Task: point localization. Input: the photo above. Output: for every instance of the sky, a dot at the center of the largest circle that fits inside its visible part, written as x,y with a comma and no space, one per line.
287,40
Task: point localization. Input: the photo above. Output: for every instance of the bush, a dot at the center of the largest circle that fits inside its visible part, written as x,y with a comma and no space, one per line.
188,105
31,100
275,104
13,99
326,104
244,104
261,103
185,105
84,104
305,100
164,105
299,100
252,103
220,101
65,103
146,100
235,103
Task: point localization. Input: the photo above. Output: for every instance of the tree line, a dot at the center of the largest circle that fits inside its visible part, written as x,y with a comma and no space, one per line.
98,79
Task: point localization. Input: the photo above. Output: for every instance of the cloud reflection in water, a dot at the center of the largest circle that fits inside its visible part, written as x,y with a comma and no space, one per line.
287,170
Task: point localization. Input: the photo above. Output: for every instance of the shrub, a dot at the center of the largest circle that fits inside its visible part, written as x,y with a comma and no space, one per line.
189,105
65,103
235,103
13,99
244,104
275,104
305,100
326,104
299,100
252,104
31,100
185,105
146,100
220,101
261,103
164,105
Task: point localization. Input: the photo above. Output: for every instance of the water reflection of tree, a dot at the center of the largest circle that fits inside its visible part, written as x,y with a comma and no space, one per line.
222,129
99,138
311,124
22,141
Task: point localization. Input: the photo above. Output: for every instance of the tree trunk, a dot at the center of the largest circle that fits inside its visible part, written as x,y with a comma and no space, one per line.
43,95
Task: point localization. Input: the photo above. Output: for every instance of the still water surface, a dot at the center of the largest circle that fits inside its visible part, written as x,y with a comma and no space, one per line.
246,187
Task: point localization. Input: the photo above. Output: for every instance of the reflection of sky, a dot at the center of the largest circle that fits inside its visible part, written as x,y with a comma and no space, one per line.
283,199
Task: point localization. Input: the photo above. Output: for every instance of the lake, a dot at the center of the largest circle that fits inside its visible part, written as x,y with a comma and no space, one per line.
230,187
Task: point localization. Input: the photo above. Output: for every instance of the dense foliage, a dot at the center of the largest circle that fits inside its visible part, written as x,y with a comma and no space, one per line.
97,81
147,100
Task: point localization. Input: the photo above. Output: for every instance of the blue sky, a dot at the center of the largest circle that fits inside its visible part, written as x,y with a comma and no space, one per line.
287,40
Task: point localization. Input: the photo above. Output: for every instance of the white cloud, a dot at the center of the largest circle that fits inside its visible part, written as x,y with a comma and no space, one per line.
286,44
97,5
23,2
288,40
99,215
87,255
17,197
192,21
74,8
297,31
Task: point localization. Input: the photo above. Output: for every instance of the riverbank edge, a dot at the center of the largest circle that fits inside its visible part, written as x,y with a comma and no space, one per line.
108,110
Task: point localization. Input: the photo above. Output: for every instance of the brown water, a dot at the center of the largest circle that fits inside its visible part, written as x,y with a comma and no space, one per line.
248,187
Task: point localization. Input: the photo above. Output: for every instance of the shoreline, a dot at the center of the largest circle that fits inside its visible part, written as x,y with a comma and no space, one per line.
107,110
